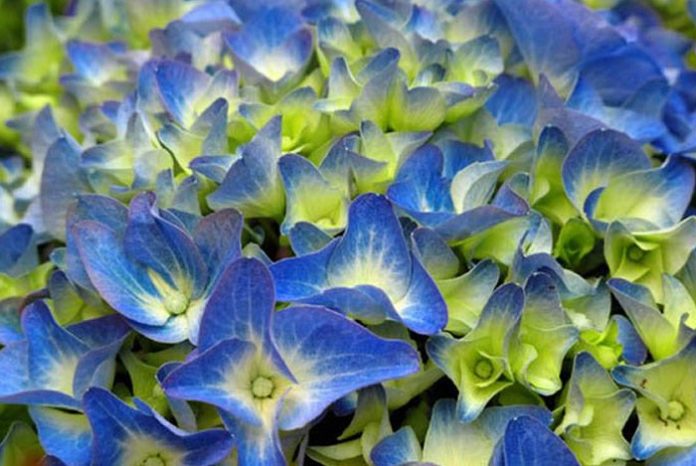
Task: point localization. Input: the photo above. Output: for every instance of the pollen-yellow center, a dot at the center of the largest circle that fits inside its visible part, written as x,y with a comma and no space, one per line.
635,253
675,410
175,302
262,387
483,369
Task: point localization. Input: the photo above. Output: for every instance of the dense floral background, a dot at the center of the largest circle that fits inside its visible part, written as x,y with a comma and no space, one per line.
347,232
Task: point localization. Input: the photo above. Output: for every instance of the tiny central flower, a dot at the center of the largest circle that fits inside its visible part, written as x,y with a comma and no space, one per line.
675,410
175,302
153,460
635,253
483,369
262,387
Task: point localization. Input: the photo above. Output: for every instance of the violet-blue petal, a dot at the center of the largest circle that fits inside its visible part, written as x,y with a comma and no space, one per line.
241,306
218,238
163,246
305,238
528,442
65,435
327,369
123,436
121,283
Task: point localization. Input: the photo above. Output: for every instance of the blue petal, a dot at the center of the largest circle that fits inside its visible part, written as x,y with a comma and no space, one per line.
253,184
513,102
241,305
554,38
459,155
13,363
100,209
218,238
124,285
210,13
422,309
96,368
634,65
674,456
93,62
473,221
52,351
10,322
355,273
271,45
181,410
365,302
301,277
101,331
176,329
553,112
180,85
17,245
123,435
255,446
61,180
528,442
214,167
397,449
633,350
329,368
437,257
305,238
163,247
67,436
373,250
420,188
595,159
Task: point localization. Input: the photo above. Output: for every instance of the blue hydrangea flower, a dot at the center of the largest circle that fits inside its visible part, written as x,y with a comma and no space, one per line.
276,371
124,436
260,192
272,48
609,178
150,267
369,272
449,442
441,195
54,366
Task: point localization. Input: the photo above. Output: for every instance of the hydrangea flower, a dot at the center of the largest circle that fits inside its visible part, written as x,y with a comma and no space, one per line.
368,272
480,363
595,411
275,371
666,402
450,442
150,267
274,232
54,366
124,435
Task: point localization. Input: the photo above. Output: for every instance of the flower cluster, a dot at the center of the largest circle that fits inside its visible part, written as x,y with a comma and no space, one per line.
348,232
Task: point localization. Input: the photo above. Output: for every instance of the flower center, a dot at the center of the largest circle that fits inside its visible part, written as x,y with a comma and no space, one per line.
483,369
675,410
635,253
262,387
153,460
175,302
